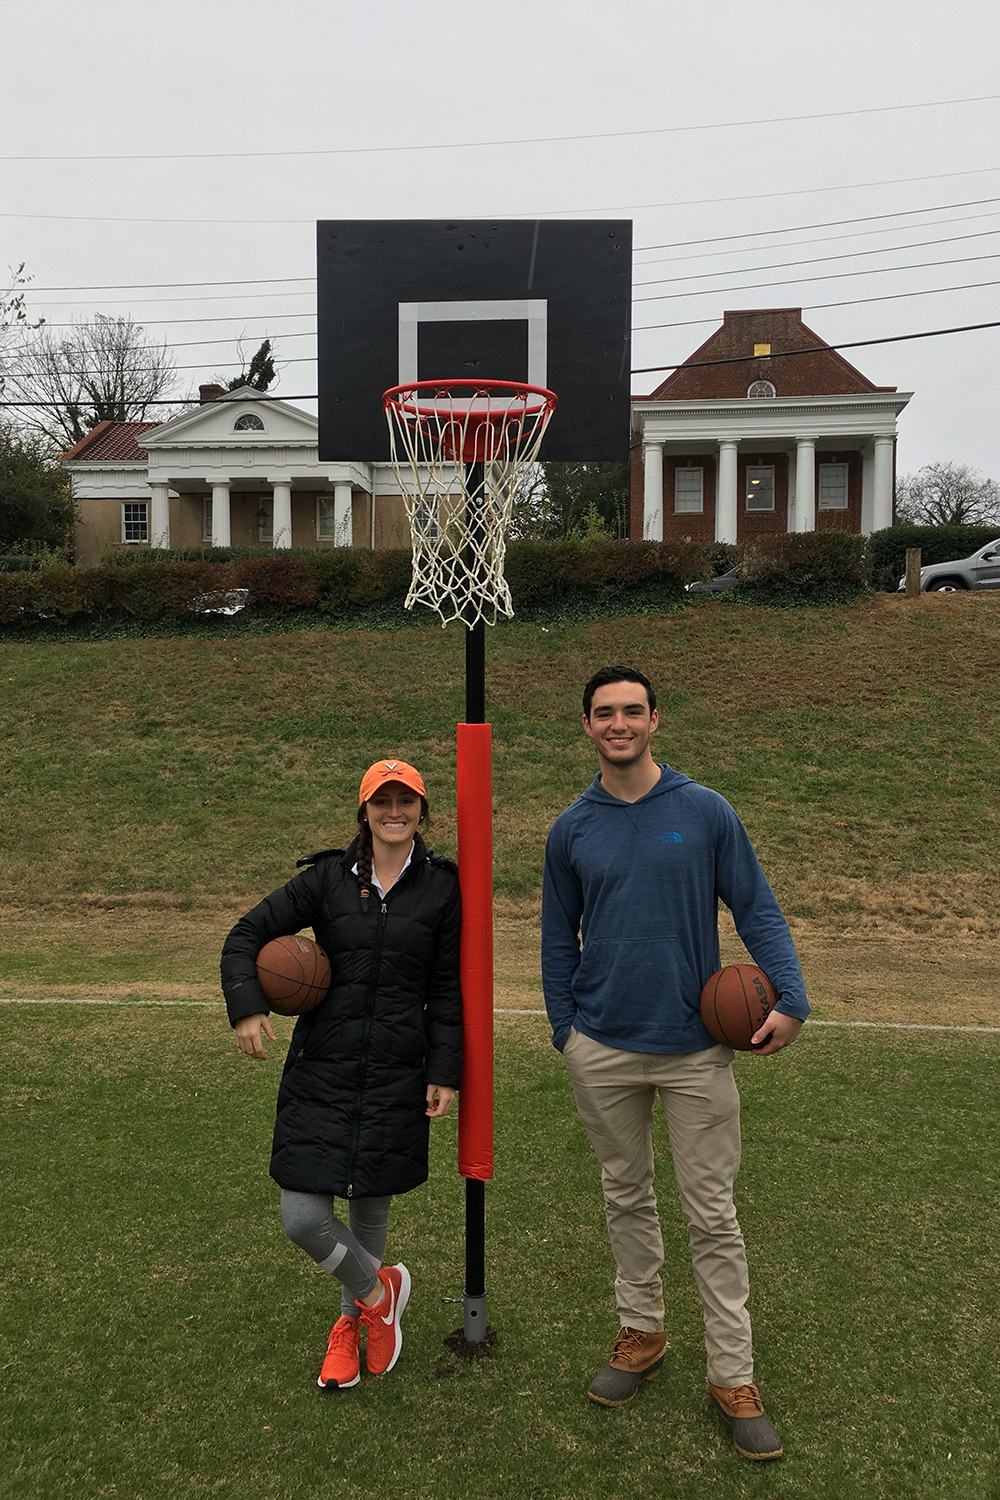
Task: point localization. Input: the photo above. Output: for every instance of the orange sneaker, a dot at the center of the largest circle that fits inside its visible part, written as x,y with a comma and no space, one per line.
342,1366
385,1337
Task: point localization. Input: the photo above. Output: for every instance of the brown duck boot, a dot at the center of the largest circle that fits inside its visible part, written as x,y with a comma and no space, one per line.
636,1357
749,1424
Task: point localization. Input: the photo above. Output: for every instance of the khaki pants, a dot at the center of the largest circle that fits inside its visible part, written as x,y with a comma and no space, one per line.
615,1096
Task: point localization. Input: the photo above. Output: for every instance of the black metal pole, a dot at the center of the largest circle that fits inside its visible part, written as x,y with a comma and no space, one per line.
474,1298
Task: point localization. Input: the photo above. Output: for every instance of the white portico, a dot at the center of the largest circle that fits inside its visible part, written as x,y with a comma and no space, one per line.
731,434
235,470
764,429
241,460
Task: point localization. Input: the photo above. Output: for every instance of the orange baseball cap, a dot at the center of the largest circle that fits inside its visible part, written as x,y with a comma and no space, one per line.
390,770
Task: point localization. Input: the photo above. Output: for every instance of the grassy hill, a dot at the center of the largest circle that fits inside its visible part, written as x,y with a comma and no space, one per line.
859,745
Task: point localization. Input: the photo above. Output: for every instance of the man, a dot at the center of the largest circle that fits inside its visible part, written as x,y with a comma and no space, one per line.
633,873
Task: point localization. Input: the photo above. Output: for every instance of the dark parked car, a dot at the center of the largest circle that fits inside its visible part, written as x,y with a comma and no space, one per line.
714,585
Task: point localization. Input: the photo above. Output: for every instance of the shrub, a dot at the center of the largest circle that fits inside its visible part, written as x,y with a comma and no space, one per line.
806,566
887,549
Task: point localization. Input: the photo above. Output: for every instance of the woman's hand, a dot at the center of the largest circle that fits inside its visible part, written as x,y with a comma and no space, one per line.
439,1100
248,1035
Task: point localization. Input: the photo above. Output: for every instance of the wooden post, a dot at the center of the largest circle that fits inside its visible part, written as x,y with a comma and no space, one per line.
912,572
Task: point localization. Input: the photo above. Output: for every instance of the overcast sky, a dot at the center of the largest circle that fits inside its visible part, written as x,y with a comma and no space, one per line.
158,86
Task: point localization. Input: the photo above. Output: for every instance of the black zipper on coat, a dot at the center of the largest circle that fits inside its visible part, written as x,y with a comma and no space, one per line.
366,1042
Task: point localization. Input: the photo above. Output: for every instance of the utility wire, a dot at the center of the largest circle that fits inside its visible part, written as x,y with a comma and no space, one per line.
657,281
536,140
812,307
640,328
816,239
155,286
756,286
813,260
548,213
742,359
898,338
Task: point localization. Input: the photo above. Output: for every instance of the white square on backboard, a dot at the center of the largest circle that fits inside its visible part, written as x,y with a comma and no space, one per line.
533,311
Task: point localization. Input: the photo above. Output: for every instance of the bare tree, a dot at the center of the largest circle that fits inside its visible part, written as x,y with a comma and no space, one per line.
947,495
106,370
14,321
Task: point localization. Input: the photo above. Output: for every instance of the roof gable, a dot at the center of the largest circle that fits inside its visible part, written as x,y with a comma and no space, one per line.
213,422
823,373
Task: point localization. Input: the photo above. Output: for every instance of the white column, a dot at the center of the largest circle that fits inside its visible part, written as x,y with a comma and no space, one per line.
726,503
221,524
652,493
159,515
805,484
882,484
282,514
867,490
343,525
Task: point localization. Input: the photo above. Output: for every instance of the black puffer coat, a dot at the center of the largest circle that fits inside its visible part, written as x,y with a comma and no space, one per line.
351,1107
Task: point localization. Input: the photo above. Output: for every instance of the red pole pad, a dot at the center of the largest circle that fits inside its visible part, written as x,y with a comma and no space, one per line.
475,869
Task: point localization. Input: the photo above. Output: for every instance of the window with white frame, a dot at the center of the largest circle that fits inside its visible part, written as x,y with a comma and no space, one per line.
249,422
832,486
689,490
760,487
135,521
326,519
761,390
206,519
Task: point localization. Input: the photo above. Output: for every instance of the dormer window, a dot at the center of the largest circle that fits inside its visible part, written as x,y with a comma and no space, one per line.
761,389
250,422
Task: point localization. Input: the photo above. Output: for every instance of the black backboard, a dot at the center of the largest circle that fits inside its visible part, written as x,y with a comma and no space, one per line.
426,299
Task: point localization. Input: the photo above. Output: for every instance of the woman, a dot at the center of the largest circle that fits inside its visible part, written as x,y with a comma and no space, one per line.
378,1059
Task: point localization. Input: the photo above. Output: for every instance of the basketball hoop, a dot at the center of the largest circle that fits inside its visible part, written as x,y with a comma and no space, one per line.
457,448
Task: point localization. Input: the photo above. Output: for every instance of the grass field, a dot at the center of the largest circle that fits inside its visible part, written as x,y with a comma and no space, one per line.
161,1337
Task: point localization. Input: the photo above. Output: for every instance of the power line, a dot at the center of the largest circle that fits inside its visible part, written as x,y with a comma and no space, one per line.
899,338
641,328
932,291
815,260
144,286
901,213
537,140
658,281
803,280
754,197
818,239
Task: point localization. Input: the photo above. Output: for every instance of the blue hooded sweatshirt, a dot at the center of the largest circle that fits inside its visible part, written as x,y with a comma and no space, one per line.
630,916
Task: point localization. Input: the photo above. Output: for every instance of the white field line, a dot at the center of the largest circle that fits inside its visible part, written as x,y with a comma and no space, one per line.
517,1011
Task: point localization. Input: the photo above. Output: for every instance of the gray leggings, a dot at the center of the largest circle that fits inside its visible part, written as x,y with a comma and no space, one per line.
352,1254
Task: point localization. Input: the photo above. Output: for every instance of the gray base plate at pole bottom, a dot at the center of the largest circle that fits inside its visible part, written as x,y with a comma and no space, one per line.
474,1317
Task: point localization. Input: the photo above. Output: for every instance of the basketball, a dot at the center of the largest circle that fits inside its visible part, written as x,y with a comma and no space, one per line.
735,1003
294,974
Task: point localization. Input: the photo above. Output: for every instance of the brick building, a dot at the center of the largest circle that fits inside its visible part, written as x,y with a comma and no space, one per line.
731,451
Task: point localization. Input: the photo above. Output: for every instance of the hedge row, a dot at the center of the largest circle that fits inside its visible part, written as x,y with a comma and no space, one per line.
887,549
350,581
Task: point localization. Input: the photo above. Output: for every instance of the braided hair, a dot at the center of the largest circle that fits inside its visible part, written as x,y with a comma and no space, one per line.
365,852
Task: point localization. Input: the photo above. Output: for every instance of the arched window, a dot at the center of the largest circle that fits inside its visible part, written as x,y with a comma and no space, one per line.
250,422
761,388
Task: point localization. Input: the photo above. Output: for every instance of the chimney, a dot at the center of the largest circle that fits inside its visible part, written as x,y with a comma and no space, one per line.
209,393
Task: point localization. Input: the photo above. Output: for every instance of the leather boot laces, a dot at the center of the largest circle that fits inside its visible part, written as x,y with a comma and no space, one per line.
745,1401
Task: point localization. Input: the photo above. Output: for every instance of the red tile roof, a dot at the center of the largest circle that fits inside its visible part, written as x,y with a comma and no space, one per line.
111,441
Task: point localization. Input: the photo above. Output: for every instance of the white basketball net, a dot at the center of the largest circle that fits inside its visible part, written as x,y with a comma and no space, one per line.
457,449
